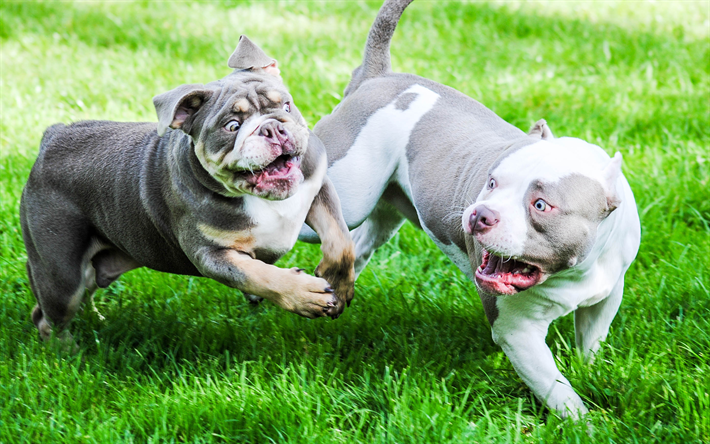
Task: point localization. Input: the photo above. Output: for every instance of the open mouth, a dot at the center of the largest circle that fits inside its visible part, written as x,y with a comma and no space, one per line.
282,174
506,276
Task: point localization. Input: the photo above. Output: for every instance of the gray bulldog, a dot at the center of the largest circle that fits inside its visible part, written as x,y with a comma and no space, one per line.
543,226
220,188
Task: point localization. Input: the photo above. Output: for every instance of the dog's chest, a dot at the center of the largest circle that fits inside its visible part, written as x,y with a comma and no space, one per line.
277,223
274,224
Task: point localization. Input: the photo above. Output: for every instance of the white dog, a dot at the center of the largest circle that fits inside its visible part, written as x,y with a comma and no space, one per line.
553,229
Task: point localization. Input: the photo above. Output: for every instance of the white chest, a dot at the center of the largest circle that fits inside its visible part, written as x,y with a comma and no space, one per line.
278,222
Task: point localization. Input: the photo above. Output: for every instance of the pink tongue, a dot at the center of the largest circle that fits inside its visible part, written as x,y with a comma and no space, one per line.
502,271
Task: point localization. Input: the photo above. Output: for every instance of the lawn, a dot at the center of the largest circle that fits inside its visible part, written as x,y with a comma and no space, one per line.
181,359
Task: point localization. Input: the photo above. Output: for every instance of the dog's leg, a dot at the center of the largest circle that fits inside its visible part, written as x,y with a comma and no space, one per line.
378,228
337,265
59,292
591,324
523,341
292,290
59,250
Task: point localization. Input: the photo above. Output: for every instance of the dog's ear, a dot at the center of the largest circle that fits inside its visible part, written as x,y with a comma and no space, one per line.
250,57
541,130
609,176
176,106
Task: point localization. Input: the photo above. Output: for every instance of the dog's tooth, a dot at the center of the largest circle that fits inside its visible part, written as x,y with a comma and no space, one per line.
526,270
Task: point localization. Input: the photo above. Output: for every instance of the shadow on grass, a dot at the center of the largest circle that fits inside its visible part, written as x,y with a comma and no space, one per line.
153,337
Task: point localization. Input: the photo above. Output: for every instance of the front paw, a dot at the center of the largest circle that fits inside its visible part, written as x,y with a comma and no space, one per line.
341,276
310,296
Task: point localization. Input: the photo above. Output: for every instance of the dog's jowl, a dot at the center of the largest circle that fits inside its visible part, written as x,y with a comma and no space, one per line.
543,226
220,187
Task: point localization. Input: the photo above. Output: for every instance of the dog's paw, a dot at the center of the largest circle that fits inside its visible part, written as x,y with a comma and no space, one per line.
341,276
310,296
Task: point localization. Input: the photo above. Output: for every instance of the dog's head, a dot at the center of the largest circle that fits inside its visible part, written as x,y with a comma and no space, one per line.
539,211
245,129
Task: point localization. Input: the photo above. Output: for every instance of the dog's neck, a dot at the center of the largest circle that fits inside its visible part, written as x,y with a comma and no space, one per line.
462,175
184,158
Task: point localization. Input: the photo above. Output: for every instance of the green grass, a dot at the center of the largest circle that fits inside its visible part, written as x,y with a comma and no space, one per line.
187,360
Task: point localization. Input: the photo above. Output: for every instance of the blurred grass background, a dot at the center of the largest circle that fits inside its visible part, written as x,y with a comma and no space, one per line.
187,360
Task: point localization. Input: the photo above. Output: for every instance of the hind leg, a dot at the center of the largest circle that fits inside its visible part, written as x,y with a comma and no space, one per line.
378,228
58,248
58,300
61,291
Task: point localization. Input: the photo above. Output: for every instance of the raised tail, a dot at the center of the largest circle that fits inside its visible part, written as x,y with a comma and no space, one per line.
376,60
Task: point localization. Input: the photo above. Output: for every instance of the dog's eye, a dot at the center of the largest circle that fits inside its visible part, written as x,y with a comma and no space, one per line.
287,107
541,205
232,126
491,183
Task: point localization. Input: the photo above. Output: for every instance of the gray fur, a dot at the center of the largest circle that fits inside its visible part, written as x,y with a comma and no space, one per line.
376,61
541,130
248,56
452,144
106,197
558,240
176,106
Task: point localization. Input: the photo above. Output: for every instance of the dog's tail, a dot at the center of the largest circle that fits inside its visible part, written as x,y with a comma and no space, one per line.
376,61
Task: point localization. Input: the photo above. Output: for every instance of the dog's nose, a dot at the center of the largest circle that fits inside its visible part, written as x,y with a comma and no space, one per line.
483,218
274,132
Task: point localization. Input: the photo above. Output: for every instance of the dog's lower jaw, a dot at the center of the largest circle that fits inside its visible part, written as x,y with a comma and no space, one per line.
279,188
500,276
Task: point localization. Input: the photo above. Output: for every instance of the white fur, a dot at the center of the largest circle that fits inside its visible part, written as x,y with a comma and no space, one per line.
247,155
378,155
592,289
278,222
548,161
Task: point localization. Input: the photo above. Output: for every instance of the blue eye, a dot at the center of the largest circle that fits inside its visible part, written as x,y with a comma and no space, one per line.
232,126
287,107
541,205
492,183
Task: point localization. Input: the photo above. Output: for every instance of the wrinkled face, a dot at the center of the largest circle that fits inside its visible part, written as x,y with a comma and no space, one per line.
537,214
251,137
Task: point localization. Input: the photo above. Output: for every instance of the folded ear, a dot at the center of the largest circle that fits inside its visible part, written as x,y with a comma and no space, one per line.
609,176
176,106
248,56
541,130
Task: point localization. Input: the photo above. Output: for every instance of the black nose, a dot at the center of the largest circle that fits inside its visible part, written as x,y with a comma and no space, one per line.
274,132
483,218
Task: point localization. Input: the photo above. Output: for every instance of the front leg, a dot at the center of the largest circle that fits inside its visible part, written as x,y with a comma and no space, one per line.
292,289
591,324
523,341
338,264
